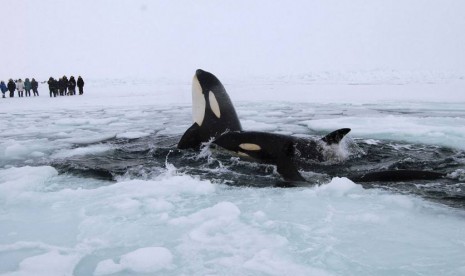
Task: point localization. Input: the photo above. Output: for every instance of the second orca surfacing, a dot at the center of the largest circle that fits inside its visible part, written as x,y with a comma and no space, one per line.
215,120
284,151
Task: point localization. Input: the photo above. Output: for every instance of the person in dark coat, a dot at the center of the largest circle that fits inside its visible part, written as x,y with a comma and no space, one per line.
56,87
3,88
35,86
51,86
27,87
72,86
65,85
62,86
11,88
80,84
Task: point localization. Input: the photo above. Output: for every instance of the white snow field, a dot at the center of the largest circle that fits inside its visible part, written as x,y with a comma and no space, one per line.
176,224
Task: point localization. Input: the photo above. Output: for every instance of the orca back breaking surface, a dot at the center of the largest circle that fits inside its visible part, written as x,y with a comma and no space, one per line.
397,176
284,151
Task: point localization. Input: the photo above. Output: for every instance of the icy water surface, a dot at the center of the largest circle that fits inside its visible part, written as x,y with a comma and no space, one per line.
105,192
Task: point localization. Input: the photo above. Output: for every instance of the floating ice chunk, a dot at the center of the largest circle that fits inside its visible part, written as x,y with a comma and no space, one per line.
91,139
11,149
171,185
339,186
50,263
132,135
13,181
257,126
95,149
142,260
16,151
107,267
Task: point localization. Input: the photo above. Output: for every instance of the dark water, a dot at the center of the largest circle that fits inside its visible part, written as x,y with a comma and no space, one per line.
147,157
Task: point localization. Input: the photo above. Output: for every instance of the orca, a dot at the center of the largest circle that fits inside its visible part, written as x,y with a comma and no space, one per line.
284,151
212,111
215,120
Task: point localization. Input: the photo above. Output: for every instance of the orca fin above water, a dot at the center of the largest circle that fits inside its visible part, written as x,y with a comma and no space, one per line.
288,170
336,136
190,138
286,166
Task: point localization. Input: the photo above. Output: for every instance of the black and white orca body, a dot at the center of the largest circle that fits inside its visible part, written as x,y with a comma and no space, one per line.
215,118
212,111
284,151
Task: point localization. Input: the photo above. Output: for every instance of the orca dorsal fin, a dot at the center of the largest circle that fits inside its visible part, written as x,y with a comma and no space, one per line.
336,136
190,139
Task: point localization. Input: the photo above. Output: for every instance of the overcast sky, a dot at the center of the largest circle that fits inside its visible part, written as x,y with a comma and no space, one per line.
170,39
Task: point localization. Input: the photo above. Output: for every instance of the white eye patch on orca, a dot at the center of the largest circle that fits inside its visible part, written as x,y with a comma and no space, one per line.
215,107
198,102
250,147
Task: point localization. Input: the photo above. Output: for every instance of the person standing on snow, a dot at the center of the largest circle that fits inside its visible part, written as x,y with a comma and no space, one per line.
72,86
27,87
51,86
80,84
65,85
3,88
11,88
35,85
62,84
20,88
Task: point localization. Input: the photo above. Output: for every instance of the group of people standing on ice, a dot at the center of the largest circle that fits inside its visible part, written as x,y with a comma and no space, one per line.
22,86
60,87
65,87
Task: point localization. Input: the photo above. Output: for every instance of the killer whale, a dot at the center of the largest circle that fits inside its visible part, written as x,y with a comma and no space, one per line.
284,151
215,119
212,111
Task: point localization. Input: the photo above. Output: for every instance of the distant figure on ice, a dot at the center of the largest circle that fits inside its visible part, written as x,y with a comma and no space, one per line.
3,88
20,88
35,86
72,86
11,88
27,87
51,87
65,85
80,84
62,84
